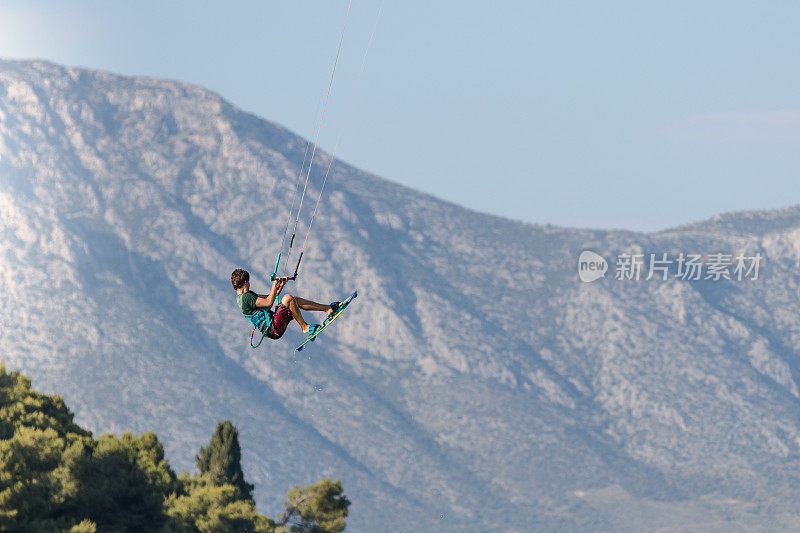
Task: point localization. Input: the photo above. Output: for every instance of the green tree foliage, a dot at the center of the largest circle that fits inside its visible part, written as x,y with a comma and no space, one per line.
317,508
86,526
120,483
54,477
207,507
28,484
35,432
220,461
21,406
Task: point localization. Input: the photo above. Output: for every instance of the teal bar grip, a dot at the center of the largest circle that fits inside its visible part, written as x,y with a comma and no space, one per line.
275,270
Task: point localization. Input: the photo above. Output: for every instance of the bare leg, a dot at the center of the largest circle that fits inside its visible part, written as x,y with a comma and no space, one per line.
290,302
308,305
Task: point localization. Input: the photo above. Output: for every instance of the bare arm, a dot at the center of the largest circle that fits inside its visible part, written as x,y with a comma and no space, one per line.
268,300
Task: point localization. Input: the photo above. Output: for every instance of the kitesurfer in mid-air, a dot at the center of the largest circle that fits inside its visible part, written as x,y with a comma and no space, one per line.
275,322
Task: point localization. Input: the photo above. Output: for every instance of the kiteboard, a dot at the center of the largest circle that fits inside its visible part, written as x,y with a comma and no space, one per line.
342,306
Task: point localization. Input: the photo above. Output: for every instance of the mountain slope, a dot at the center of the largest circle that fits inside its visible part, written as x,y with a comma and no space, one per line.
475,385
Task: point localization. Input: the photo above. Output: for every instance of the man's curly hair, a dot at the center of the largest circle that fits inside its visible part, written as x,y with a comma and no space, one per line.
239,277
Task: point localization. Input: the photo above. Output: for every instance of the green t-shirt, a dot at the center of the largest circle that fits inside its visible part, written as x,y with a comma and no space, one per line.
247,302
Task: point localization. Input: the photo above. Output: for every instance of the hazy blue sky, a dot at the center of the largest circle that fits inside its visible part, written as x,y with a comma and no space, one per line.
626,114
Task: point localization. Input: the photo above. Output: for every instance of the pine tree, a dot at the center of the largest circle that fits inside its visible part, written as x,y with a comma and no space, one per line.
205,506
220,461
318,508
54,476
120,484
35,432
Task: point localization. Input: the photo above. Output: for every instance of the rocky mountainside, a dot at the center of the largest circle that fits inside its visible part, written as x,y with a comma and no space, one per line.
476,385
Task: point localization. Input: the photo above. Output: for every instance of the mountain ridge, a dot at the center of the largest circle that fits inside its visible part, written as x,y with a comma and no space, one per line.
135,199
